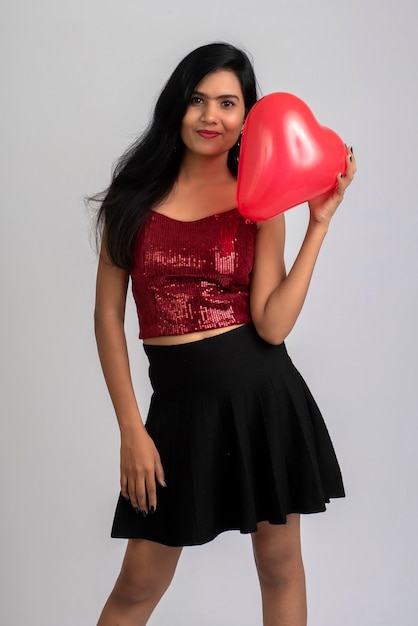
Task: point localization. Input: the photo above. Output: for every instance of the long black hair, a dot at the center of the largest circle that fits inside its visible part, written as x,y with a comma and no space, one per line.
147,171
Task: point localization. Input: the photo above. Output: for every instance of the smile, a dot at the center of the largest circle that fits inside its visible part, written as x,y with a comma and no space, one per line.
208,134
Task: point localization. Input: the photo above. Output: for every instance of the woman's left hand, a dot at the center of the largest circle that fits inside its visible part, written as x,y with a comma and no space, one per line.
323,207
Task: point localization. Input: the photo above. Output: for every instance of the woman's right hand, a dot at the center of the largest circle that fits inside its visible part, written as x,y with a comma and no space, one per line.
140,470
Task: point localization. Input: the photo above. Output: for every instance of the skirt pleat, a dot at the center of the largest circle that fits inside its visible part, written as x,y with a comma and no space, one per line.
241,440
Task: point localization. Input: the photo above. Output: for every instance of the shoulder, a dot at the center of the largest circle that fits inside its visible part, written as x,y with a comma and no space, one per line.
271,232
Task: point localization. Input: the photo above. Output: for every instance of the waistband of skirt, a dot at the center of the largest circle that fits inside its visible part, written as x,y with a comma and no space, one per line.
219,361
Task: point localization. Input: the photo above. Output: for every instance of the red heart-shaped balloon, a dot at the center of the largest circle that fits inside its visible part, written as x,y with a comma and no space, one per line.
286,157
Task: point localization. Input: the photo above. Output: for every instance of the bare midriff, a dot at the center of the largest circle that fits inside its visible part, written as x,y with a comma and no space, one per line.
176,340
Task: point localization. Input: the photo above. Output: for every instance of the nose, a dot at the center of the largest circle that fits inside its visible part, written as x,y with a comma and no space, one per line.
209,113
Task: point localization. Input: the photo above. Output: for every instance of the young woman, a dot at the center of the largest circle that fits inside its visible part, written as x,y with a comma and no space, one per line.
233,438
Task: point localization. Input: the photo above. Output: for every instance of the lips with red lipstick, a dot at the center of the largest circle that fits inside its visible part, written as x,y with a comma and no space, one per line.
208,134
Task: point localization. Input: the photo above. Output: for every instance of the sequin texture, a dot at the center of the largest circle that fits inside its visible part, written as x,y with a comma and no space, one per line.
192,276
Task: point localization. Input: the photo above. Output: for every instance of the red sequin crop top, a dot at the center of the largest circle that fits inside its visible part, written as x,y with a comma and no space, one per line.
192,276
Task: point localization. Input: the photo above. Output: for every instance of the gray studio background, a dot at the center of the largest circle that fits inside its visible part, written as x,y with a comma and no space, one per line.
79,80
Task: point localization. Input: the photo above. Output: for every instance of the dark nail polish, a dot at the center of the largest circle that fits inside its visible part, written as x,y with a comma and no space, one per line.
137,511
144,513
351,158
126,498
152,509
351,150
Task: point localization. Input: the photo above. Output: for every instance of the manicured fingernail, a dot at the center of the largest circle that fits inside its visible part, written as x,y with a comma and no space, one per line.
152,509
137,511
351,158
164,484
351,150
144,513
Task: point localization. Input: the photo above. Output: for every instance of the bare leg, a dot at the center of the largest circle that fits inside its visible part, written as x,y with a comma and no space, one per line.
277,553
146,573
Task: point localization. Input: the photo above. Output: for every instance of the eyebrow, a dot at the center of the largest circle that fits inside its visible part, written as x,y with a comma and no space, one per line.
225,96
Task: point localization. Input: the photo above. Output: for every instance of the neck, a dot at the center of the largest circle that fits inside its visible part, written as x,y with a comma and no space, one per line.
202,169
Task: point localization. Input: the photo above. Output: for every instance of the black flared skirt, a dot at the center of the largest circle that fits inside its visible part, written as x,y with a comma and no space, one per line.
241,440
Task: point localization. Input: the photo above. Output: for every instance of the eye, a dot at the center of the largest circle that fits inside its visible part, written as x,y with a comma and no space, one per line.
226,104
196,100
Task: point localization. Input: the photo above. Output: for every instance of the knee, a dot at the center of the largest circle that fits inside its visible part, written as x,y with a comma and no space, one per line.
279,569
136,590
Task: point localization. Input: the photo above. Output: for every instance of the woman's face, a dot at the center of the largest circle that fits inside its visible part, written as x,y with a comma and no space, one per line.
214,118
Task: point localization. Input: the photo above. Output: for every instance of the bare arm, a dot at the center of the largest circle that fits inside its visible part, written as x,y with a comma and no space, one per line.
140,461
276,299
